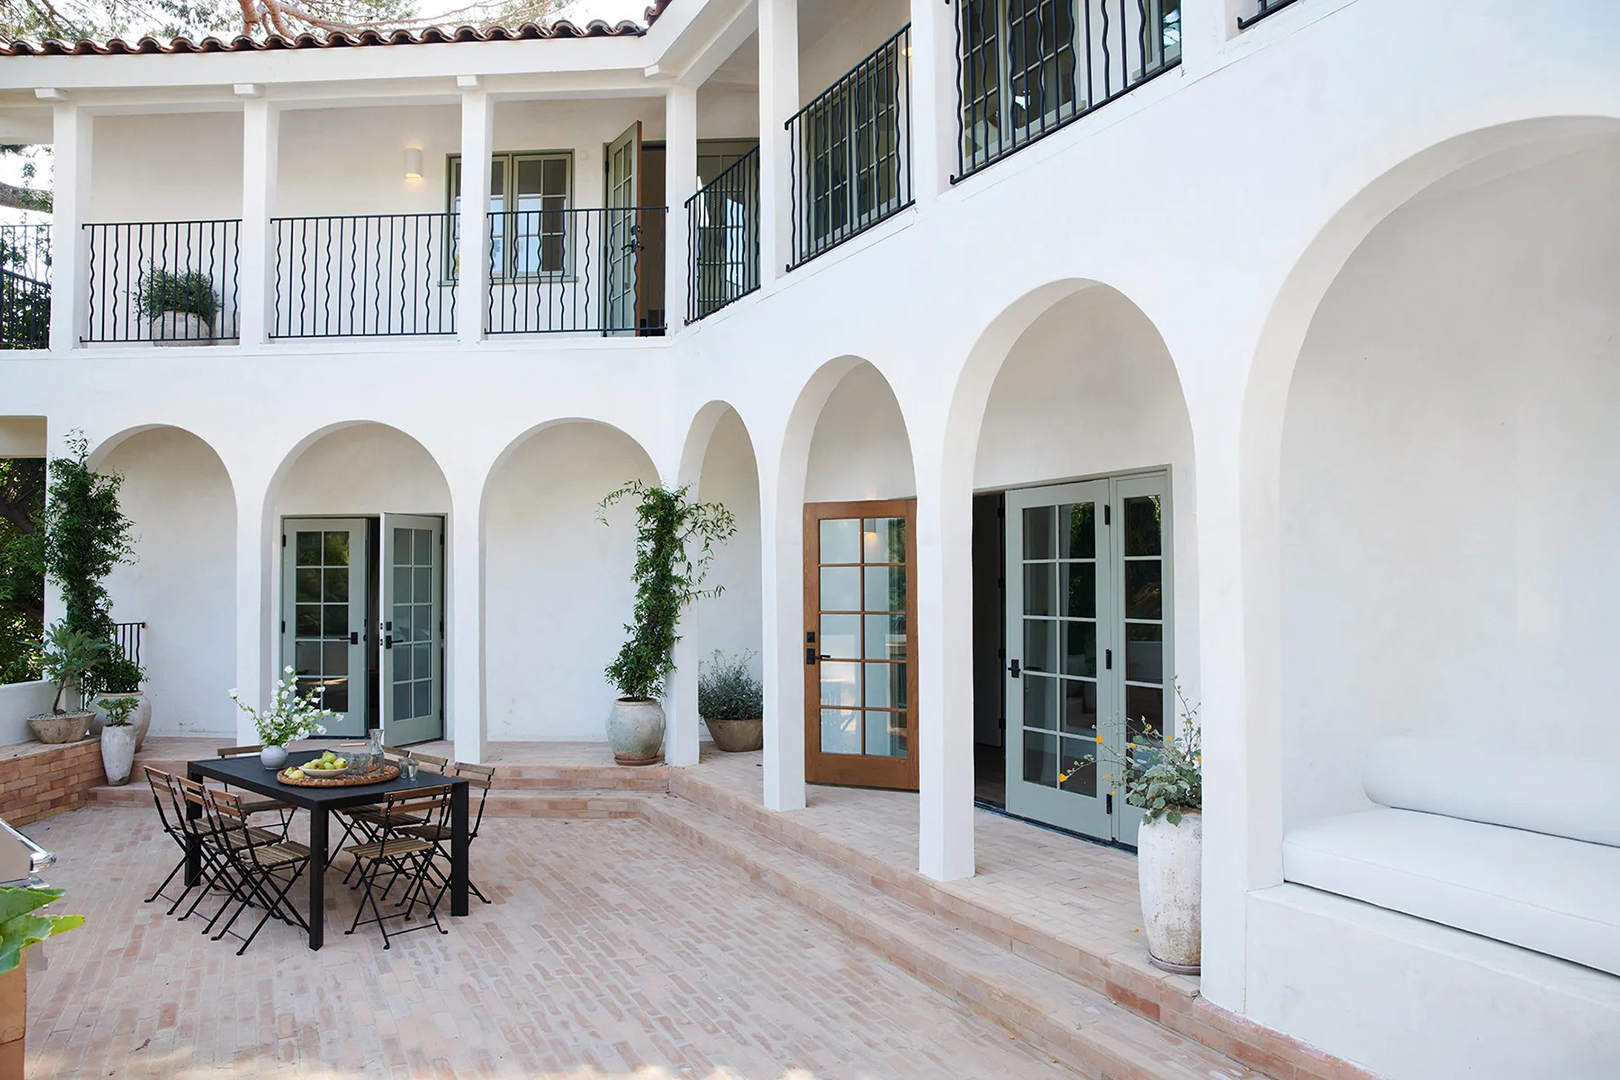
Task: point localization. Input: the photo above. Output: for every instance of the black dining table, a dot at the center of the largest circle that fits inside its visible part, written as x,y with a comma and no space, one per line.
248,774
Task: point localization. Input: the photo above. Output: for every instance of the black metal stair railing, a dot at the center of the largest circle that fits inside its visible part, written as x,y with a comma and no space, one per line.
598,270
722,222
25,286
194,264
365,275
851,152
1027,68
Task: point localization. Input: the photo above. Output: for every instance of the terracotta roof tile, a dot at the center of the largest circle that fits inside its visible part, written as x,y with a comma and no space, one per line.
433,35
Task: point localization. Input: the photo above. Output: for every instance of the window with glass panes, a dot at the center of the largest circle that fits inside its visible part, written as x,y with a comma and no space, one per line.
529,194
852,156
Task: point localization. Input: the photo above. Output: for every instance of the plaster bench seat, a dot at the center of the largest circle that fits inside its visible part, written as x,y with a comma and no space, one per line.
1547,893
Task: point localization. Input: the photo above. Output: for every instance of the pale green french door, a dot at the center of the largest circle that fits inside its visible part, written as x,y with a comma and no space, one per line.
412,666
323,621
1089,673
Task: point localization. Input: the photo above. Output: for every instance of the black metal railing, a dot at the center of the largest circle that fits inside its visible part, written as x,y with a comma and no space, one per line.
1027,68
25,286
163,281
577,271
1262,9
851,152
125,644
722,226
371,275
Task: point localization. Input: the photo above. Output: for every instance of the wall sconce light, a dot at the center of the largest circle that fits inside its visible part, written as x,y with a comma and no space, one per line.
413,163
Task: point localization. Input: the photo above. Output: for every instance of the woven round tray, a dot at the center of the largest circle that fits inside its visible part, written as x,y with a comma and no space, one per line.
376,776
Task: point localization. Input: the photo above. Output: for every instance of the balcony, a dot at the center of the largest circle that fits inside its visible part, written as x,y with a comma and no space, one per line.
25,286
722,222
165,282
375,275
577,271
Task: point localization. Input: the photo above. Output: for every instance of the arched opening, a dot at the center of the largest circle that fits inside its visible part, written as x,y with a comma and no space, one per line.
555,617
176,602
1084,557
358,581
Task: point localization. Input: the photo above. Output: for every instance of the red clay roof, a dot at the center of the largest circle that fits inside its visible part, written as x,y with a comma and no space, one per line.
335,40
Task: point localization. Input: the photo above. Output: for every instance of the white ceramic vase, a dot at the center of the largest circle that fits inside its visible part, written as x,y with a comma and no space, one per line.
1170,872
118,752
273,757
636,732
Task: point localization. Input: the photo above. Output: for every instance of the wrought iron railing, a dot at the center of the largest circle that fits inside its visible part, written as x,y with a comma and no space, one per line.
577,271
1027,68
851,152
169,282
1262,9
722,222
125,644
371,275
25,286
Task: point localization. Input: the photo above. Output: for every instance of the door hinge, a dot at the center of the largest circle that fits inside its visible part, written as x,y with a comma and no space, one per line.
283,539
1108,659
1110,804
283,626
1108,514
1001,583
1001,724
1001,654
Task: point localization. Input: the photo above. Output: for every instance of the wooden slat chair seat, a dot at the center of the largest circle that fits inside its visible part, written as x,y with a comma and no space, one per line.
481,778
397,854
264,873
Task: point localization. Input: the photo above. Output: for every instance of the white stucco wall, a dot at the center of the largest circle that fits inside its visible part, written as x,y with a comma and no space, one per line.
860,449
135,177
730,622
19,701
1449,558
178,496
558,581
363,470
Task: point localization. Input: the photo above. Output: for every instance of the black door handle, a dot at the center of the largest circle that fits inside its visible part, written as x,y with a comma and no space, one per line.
1013,670
354,637
388,642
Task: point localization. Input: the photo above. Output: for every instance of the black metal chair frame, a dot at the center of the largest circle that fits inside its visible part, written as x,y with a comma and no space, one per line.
398,853
264,873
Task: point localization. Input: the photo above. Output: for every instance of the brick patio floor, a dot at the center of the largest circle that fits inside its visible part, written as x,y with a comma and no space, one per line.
614,950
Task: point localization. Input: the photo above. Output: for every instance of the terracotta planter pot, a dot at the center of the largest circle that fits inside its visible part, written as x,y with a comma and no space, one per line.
636,732
737,736
63,728
178,328
1171,875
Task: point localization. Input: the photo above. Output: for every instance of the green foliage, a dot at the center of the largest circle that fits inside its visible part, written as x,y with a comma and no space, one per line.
191,292
668,576
70,656
727,689
22,567
291,715
20,927
86,535
118,674
118,710
1161,776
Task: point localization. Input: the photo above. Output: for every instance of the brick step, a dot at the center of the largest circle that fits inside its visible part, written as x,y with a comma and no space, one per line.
1078,1026
511,777
578,802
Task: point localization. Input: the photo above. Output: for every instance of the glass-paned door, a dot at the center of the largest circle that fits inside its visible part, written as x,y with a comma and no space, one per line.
324,614
412,662
621,230
1089,674
859,641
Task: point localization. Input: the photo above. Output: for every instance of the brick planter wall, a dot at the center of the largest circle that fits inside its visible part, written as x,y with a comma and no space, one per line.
37,780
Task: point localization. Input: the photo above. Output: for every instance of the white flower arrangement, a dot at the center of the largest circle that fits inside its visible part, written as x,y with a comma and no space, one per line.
291,716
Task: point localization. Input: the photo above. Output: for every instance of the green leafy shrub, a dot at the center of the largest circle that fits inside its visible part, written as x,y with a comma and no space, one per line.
191,292
118,674
668,576
727,689
70,656
20,927
118,710
1163,777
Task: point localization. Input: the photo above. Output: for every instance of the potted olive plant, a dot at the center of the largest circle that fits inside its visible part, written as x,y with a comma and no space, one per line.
732,703
69,655
675,540
180,307
118,743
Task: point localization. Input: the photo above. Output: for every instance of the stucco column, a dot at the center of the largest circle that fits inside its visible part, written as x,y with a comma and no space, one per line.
944,707
258,624
70,207
933,98
477,139
261,147
464,629
681,728
778,100
781,538
680,184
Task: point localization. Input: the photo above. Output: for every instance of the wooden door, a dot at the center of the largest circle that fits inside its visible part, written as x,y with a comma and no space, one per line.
860,638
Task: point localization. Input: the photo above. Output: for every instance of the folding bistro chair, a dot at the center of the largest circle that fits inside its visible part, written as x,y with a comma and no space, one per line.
264,873
481,778
215,863
171,810
258,804
398,853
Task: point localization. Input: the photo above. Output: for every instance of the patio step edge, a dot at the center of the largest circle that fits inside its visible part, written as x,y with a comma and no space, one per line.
1069,1022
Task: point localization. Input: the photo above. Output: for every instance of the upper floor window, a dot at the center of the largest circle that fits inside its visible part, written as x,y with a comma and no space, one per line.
530,194
1029,66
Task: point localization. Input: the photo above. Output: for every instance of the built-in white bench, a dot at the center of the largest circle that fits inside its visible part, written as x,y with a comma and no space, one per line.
1518,847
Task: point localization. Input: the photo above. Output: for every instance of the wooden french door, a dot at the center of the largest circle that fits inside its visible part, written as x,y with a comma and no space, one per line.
860,637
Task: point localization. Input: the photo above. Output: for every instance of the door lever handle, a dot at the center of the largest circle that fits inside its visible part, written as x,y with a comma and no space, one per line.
354,637
1013,669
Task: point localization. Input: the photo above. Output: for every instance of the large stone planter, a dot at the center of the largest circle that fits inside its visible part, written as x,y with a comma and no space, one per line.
60,728
636,732
175,328
118,752
736,736
1169,870
141,718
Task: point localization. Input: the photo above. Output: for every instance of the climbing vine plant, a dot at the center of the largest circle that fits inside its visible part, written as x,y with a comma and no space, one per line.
675,542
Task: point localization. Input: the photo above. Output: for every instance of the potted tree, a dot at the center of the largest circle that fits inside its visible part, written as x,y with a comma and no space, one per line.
69,657
732,703
118,741
675,540
119,678
180,307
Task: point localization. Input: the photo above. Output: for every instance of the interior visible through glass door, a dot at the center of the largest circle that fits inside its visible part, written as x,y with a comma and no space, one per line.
859,642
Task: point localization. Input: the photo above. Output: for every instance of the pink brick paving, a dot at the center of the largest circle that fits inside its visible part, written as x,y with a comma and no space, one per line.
614,950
